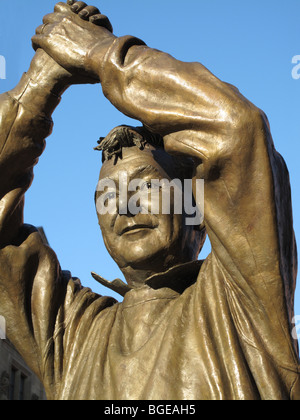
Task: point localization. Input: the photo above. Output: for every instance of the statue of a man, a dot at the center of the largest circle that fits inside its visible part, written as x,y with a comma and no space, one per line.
186,329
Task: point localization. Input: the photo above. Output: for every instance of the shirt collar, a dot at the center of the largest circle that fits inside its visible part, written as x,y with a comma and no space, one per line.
177,278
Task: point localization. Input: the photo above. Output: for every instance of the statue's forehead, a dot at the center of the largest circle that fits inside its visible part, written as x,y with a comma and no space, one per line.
133,158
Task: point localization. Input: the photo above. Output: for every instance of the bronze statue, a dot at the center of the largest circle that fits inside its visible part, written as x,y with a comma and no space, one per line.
186,329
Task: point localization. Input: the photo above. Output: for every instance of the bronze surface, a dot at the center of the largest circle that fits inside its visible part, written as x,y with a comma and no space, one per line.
214,329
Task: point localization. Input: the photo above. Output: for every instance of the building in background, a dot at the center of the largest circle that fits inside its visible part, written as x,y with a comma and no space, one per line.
17,381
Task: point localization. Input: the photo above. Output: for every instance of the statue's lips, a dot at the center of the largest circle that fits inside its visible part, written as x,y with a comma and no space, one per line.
136,228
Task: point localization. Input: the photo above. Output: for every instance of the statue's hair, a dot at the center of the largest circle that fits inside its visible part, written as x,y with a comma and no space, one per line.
126,136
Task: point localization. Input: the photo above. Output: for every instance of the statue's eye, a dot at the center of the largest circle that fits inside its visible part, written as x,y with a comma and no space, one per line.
150,185
109,196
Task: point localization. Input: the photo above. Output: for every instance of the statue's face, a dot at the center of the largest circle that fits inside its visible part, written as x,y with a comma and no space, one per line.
138,240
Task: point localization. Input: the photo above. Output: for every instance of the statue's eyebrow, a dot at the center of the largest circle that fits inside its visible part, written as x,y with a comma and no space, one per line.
141,170
148,169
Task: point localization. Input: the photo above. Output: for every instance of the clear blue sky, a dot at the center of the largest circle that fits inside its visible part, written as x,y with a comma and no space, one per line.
249,44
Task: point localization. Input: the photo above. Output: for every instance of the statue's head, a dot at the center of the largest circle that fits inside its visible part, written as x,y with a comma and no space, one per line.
138,232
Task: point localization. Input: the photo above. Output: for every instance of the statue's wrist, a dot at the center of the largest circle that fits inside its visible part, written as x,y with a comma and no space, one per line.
34,98
40,89
49,75
96,55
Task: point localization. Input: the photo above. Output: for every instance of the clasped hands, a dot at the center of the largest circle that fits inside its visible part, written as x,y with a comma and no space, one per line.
72,35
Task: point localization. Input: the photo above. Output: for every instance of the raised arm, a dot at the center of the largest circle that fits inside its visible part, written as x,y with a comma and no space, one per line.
25,115
25,112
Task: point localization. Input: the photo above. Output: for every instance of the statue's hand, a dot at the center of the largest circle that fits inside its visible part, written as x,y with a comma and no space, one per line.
70,34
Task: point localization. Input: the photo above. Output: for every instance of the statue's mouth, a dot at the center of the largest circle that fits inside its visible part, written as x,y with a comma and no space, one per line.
136,228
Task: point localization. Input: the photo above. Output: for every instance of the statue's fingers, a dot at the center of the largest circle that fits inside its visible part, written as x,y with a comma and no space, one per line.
39,29
78,6
37,41
70,2
89,11
101,20
43,29
51,18
61,8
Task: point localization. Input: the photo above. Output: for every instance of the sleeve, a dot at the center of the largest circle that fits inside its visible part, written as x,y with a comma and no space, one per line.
42,304
248,213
